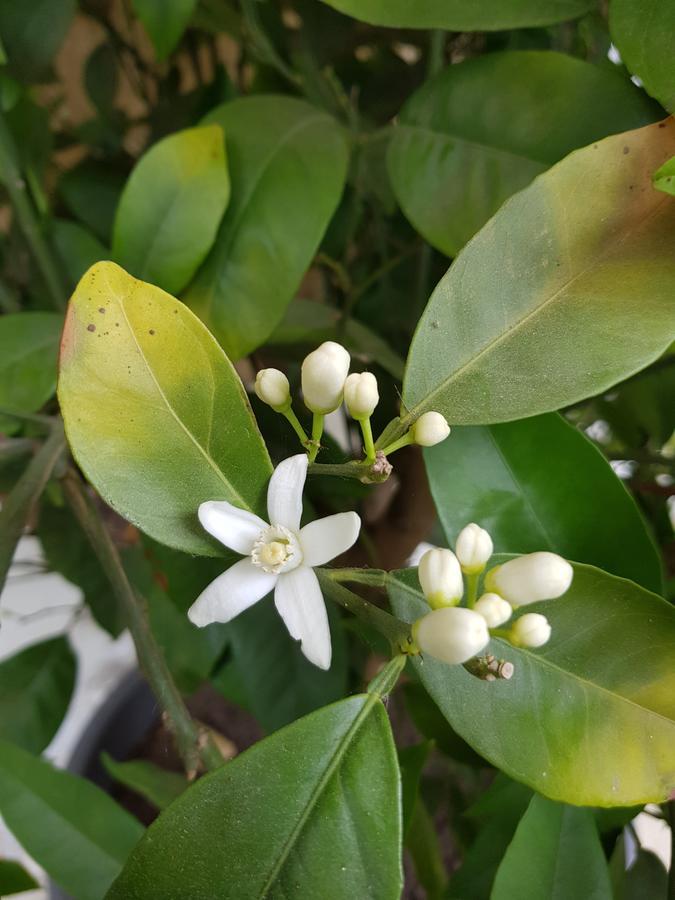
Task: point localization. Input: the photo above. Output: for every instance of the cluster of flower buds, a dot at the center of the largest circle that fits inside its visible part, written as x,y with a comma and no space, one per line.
326,382
455,633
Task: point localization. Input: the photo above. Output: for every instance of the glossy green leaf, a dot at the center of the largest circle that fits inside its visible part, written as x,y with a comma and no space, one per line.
14,879
159,786
288,165
32,33
280,684
664,178
78,248
312,811
540,484
566,291
555,853
643,33
77,833
171,206
18,505
29,344
35,690
460,15
165,21
482,130
141,380
608,670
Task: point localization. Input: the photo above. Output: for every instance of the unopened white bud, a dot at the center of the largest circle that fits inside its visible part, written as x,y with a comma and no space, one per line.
526,579
530,630
431,428
452,634
272,387
494,609
361,394
473,548
440,578
324,372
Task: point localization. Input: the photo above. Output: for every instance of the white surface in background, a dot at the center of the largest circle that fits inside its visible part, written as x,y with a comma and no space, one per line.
35,607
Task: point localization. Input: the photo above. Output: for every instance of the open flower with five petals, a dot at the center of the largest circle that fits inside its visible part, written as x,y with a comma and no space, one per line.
279,556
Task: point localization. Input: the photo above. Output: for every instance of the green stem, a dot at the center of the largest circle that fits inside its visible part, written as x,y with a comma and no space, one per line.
317,432
385,681
368,445
365,472
374,577
471,590
403,441
27,217
396,632
194,746
297,427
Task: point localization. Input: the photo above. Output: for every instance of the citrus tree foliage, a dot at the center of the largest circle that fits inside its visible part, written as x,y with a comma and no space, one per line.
255,256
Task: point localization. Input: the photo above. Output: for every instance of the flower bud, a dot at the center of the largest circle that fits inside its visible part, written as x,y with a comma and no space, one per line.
452,635
431,428
272,387
361,395
324,372
473,548
494,609
441,578
530,630
526,579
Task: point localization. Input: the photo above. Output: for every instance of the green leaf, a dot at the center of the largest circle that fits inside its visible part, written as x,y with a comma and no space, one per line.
555,853
32,33
567,290
100,77
496,813
288,165
310,323
430,723
646,879
159,786
171,206
20,502
540,484
608,669
280,684
411,761
78,248
35,690
14,879
482,130
68,552
91,192
643,33
29,343
664,178
312,811
142,380
458,15
71,828
165,21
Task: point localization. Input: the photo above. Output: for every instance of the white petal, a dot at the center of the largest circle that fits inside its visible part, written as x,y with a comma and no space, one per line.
242,585
324,539
234,527
299,600
284,494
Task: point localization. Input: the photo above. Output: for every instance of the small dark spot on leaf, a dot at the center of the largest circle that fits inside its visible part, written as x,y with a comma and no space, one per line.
662,124
101,309
175,311
626,150
91,327
117,324
152,331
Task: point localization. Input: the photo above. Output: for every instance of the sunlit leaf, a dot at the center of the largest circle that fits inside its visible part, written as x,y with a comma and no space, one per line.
143,382
567,290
